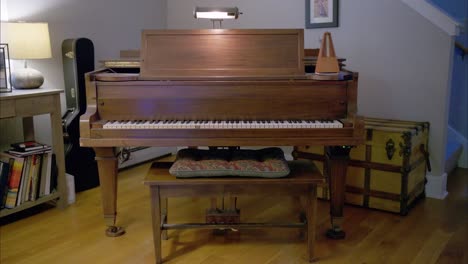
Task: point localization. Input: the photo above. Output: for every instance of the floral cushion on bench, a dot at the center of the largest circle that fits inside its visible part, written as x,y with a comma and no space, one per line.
267,163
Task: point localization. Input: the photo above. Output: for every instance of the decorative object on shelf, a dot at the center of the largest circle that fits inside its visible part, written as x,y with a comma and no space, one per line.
216,14
5,81
27,41
321,13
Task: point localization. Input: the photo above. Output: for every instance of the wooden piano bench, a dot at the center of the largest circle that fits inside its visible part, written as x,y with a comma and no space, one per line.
301,182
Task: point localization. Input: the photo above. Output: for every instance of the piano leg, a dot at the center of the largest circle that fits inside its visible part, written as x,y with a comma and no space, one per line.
337,160
107,167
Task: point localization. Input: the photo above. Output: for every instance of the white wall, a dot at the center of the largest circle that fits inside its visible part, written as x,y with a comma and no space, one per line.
403,60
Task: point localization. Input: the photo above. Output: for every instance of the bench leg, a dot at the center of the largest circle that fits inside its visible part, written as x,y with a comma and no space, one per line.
311,211
164,216
299,207
156,215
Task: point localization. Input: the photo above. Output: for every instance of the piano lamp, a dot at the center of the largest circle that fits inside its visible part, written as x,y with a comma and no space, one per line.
27,41
216,14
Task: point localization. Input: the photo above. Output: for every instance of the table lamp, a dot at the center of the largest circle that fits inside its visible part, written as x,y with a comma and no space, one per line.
27,41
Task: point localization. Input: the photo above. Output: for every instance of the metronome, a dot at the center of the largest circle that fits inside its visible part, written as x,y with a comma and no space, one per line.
327,67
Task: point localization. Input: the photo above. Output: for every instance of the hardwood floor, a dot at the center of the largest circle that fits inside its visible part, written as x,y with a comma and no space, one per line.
435,231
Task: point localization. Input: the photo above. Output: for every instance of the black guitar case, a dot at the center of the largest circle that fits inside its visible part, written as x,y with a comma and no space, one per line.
78,59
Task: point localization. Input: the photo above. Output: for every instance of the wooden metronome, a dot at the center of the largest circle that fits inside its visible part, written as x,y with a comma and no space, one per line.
327,63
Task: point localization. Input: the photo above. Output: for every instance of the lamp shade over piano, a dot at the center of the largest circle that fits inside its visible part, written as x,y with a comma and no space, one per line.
216,12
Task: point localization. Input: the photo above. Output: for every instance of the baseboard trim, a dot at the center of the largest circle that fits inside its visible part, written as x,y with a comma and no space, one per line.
436,186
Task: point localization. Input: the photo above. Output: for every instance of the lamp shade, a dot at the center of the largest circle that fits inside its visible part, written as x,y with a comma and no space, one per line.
216,12
27,40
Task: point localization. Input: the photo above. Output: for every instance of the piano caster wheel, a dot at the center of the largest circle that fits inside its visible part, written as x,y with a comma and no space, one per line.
114,231
335,234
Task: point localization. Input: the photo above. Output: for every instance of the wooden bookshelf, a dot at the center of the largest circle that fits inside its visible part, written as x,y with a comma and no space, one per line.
51,197
26,104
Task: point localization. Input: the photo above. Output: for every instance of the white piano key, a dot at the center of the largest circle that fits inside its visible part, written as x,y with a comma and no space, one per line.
173,124
312,124
242,124
233,124
179,124
304,124
338,124
106,125
119,124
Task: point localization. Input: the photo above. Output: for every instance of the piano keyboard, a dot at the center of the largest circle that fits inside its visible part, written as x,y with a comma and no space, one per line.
176,124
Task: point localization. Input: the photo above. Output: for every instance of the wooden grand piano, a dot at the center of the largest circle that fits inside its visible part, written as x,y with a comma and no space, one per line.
220,88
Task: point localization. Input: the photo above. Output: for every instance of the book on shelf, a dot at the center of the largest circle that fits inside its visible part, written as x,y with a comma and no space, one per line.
5,173
53,175
29,175
27,153
28,146
14,179
23,182
35,177
46,170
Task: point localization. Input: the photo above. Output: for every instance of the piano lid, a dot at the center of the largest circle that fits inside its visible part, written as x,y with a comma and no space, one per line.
173,54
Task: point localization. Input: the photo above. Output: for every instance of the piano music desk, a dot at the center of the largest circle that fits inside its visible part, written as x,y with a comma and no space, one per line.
301,182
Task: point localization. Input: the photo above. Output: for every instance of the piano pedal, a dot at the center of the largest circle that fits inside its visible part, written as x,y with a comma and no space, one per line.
114,231
219,216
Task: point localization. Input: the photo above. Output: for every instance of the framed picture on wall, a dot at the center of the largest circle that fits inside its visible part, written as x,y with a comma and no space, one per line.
321,13
5,82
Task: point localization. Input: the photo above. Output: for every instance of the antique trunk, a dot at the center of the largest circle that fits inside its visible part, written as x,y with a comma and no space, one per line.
388,171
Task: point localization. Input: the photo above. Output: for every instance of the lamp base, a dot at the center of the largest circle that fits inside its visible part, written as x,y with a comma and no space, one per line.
26,78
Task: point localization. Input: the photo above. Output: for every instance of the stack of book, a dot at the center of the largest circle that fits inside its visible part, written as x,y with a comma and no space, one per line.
27,173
